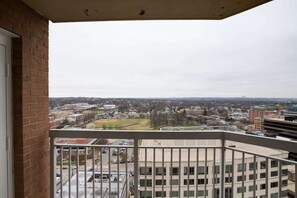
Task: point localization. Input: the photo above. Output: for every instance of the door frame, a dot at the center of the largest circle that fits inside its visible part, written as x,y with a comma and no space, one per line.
5,39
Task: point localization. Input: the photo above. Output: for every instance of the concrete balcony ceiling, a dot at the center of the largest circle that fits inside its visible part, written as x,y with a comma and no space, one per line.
112,10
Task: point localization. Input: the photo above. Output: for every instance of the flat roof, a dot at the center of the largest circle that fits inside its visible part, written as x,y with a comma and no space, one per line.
193,151
105,185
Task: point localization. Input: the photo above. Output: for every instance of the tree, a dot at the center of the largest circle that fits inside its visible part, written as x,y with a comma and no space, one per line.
65,121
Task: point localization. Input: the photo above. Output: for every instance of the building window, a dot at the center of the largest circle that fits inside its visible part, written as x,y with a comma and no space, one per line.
273,184
262,175
174,194
175,171
251,188
285,172
189,193
262,186
174,182
228,179
202,170
228,169
143,172
148,182
284,183
228,192
241,167
239,189
217,193
202,181
216,170
274,163
160,193
274,173
251,176
263,165
216,180
200,193
160,182
147,194
190,172
160,171
274,195
239,178
252,165
191,181
284,193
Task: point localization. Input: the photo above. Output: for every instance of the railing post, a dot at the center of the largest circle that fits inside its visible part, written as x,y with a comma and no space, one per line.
223,153
136,168
53,167
295,180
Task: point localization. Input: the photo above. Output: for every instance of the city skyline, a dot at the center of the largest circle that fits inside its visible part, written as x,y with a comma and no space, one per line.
159,59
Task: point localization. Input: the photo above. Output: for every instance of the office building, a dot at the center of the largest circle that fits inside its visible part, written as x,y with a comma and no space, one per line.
168,173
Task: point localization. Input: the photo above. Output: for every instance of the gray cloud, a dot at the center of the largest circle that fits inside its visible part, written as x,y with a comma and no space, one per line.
252,54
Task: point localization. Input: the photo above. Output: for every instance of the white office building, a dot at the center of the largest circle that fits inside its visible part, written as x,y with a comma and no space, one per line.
178,169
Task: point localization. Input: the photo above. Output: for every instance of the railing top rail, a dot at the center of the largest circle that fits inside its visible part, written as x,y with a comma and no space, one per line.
73,146
133,134
261,155
272,143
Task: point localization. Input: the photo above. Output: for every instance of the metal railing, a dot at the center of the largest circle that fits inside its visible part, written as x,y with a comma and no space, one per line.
170,170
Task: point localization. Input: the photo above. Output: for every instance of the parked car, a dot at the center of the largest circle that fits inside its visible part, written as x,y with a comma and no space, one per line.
104,150
115,152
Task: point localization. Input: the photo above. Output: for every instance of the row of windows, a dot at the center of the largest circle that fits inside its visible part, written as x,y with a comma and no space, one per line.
252,166
262,186
148,194
262,175
148,182
201,170
200,193
175,170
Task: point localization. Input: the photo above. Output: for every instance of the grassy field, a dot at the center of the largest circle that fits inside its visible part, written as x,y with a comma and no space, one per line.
123,124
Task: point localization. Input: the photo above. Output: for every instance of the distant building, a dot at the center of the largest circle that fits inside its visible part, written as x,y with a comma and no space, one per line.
113,185
53,124
281,127
262,111
77,117
196,112
181,171
109,107
250,127
291,114
259,123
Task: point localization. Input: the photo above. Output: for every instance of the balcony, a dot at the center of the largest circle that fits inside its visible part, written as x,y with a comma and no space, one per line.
172,164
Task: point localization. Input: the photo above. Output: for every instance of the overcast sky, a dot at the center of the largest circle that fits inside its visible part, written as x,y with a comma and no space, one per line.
253,54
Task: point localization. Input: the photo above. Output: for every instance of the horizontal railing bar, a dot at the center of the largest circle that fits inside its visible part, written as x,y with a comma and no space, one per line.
93,145
177,147
121,146
261,155
268,142
140,134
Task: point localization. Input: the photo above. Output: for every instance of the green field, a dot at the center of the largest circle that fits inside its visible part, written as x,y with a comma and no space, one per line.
123,124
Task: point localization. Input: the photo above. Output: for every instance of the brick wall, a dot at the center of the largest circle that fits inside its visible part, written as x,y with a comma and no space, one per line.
30,98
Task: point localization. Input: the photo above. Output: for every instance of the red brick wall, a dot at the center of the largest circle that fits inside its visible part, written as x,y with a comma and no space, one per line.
30,98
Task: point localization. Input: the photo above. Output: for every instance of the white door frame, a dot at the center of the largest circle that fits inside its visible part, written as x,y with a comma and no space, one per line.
5,39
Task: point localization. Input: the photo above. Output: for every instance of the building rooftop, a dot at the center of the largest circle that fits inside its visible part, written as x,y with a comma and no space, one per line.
193,152
105,184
